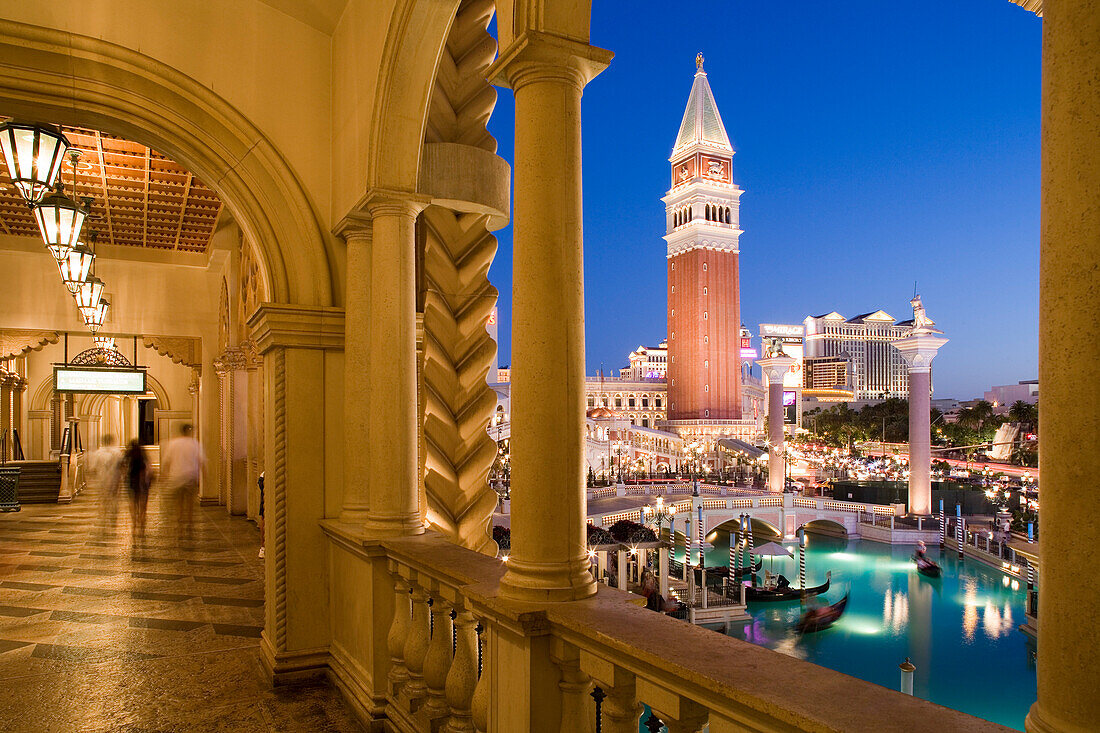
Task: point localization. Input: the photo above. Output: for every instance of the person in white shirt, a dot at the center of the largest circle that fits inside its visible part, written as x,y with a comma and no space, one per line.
182,464
105,474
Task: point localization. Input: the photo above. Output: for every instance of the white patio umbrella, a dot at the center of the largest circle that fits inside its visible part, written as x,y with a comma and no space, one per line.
771,549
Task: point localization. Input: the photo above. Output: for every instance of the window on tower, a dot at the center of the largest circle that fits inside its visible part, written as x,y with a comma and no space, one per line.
704,315
704,267
704,290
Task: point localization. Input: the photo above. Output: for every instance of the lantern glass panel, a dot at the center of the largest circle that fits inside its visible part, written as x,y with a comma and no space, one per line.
89,292
76,266
33,154
60,220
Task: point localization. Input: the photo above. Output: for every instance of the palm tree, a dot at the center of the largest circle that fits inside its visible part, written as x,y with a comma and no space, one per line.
1023,413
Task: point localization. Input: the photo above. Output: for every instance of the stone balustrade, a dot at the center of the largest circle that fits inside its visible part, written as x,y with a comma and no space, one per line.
438,649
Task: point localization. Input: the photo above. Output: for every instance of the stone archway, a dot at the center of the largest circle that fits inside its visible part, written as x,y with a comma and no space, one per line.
59,77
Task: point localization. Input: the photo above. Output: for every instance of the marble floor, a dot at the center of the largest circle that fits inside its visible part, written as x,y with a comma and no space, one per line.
101,631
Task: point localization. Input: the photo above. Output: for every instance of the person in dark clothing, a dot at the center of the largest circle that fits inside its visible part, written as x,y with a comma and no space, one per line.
138,479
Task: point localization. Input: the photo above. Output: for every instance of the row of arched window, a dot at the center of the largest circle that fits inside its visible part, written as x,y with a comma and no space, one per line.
720,214
712,212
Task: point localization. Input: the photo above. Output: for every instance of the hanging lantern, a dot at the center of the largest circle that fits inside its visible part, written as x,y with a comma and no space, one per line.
76,266
59,221
95,317
88,293
34,154
104,342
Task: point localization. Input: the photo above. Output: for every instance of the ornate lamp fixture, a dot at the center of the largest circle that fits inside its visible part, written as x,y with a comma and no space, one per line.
76,266
34,154
94,317
104,342
60,218
88,294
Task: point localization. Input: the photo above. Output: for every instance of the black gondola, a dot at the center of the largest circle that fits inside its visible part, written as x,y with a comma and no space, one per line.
722,572
927,567
787,594
822,618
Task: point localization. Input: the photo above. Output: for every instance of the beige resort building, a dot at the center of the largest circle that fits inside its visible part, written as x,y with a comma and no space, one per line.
318,307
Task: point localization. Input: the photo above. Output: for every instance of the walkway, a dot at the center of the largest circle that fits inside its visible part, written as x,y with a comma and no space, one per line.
100,634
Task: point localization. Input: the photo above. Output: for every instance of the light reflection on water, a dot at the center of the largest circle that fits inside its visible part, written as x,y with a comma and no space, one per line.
960,631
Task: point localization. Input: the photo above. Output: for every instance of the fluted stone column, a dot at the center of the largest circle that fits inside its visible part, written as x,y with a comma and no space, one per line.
357,390
775,368
393,458
547,75
1069,370
919,349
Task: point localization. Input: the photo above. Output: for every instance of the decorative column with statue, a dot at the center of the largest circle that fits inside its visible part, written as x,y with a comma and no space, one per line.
918,349
775,366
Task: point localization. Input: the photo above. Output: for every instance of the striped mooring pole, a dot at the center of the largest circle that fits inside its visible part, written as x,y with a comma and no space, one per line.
959,536
689,542
671,540
700,534
943,527
1030,576
748,535
735,561
801,557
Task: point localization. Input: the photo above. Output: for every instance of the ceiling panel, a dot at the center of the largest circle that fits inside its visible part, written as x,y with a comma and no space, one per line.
140,198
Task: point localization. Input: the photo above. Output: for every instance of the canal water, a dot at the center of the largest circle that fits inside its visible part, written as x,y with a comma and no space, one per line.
961,631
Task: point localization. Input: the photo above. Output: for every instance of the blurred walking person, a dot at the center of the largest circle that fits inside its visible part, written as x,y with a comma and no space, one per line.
182,463
138,479
105,468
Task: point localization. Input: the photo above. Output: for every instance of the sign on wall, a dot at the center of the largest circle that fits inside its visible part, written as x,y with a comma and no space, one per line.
91,380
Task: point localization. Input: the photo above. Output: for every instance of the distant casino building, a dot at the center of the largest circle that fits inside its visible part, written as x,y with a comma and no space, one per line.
647,362
876,369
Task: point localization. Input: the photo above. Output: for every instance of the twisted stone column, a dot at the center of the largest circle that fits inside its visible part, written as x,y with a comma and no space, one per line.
547,75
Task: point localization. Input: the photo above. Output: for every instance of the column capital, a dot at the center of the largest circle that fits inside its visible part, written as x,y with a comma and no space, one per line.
385,202
537,56
919,349
776,366
301,326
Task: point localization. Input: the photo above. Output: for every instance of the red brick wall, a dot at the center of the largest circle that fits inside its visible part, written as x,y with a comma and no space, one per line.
689,353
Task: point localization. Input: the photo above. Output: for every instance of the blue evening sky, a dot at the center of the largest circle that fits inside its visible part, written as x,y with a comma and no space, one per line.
878,142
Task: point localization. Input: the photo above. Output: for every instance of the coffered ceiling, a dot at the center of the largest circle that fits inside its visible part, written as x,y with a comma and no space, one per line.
139,197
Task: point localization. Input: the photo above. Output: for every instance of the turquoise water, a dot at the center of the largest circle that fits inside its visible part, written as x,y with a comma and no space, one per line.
960,630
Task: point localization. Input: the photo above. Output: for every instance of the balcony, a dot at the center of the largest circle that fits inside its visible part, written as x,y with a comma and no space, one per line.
446,650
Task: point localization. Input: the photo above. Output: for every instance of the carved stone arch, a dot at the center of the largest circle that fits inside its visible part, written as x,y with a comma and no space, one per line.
62,77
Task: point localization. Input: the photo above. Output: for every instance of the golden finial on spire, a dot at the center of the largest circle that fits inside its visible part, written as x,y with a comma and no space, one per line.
699,60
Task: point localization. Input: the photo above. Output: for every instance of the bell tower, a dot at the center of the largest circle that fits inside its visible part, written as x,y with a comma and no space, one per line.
704,307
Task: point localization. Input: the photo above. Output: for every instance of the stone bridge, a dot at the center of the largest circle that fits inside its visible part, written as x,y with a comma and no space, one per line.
719,505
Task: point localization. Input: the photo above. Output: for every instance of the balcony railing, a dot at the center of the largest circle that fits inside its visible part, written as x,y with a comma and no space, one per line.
439,649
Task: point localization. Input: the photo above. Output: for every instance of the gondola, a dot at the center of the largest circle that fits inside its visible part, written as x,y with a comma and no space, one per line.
787,594
820,619
722,572
927,567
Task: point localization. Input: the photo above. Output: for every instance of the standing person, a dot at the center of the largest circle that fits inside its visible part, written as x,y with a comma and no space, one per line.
105,467
138,479
263,538
183,462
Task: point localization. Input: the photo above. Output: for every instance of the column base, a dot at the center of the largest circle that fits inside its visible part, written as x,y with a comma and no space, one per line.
1037,722
283,668
539,583
401,526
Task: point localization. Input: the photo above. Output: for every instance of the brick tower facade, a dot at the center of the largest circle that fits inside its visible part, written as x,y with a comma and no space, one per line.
704,309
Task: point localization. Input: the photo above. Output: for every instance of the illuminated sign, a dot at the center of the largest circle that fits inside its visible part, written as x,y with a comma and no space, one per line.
776,329
748,353
493,317
790,407
90,380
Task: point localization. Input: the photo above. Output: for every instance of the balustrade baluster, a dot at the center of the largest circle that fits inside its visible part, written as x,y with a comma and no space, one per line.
479,705
576,709
621,709
462,677
416,647
437,661
399,629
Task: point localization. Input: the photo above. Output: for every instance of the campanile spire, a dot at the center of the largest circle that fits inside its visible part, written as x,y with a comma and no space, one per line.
702,232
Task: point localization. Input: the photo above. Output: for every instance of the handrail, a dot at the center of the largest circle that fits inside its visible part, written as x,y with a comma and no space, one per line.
427,668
